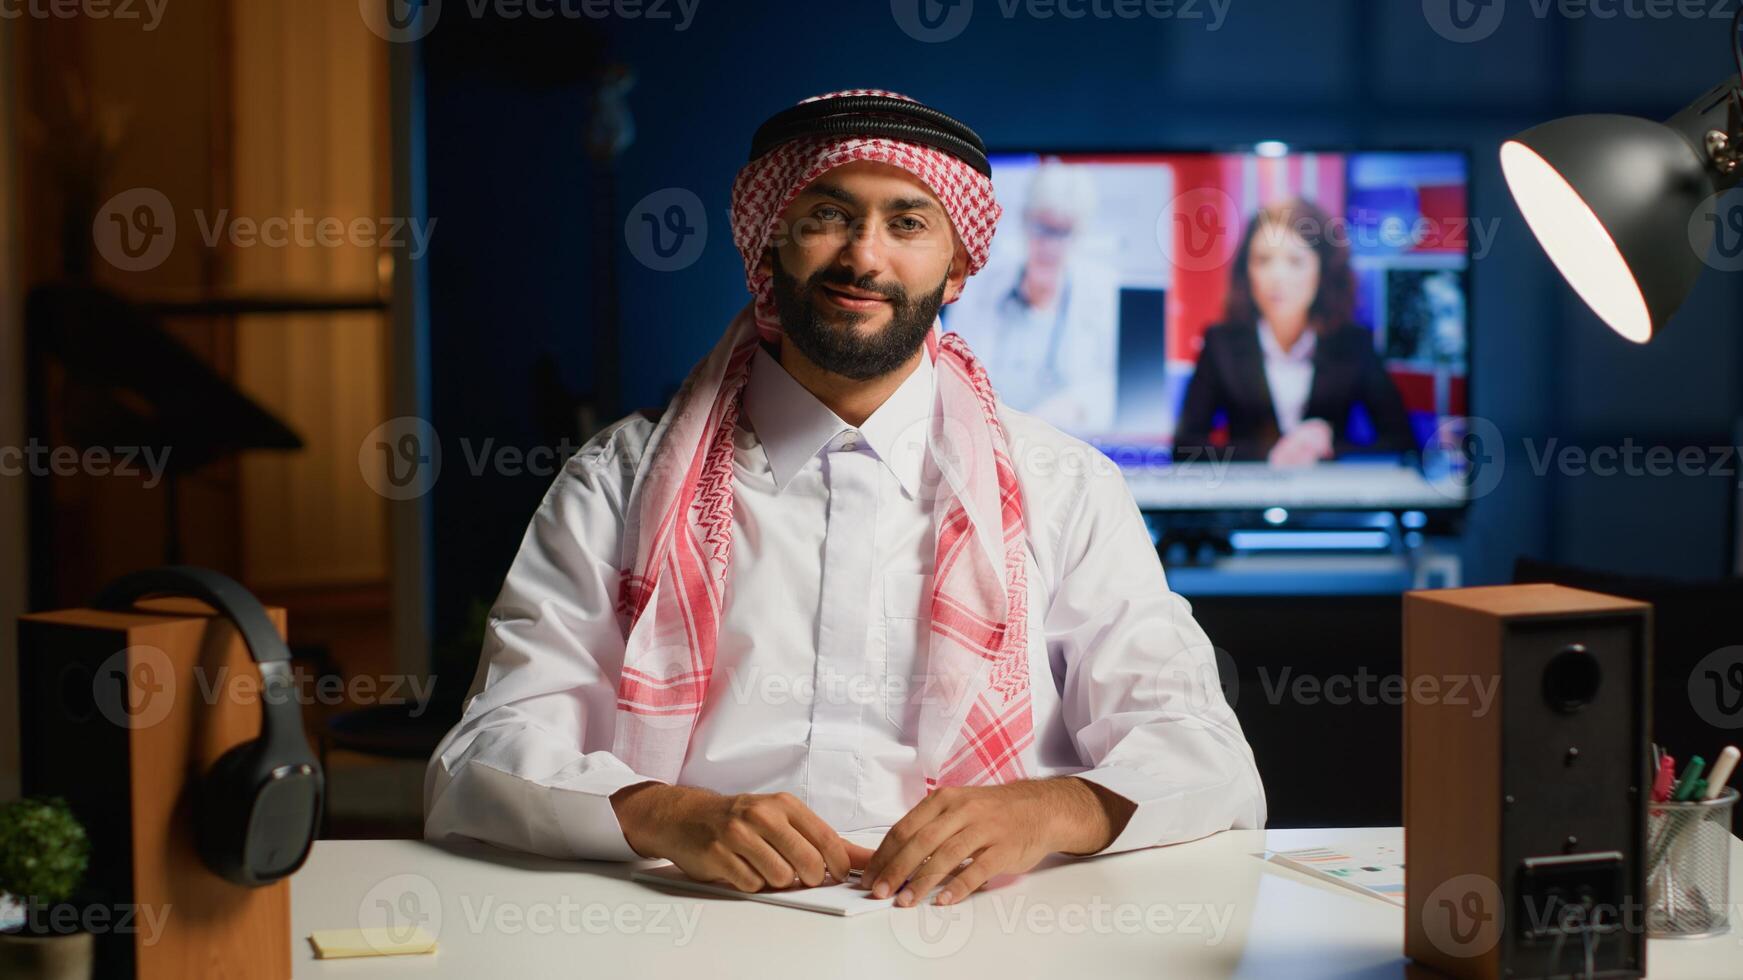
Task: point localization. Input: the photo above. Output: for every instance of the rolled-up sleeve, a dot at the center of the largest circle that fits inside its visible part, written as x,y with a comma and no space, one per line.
1141,694
529,766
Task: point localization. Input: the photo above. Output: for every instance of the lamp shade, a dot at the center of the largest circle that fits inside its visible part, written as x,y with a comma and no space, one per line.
1611,198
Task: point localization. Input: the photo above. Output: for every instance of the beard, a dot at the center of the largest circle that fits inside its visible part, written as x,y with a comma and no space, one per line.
833,342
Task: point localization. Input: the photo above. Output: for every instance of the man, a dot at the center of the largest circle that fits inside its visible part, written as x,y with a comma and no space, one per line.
1046,324
838,587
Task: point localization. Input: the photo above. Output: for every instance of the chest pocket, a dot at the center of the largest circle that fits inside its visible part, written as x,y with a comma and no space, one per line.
908,628
907,597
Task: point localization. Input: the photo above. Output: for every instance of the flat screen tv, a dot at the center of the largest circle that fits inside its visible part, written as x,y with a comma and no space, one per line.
1240,329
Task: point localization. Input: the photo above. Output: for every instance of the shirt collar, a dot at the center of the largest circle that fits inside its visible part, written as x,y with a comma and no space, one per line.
1301,352
793,425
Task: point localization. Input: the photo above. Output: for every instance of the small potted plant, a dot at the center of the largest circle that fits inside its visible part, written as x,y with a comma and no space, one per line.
43,855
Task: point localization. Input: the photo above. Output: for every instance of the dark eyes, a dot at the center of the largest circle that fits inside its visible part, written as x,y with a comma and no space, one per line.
905,223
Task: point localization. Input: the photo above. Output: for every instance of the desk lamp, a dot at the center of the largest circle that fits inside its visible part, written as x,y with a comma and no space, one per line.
1625,206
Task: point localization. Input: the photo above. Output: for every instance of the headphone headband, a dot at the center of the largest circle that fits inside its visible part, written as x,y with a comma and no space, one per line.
872,115
217,590
281,726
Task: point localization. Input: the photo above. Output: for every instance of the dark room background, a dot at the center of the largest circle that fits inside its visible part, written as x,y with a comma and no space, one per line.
512,276
513,280
533,140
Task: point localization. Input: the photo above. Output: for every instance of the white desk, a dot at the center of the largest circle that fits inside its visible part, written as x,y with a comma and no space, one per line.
1207,908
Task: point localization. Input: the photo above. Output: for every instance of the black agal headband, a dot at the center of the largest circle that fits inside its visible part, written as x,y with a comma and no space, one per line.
872,115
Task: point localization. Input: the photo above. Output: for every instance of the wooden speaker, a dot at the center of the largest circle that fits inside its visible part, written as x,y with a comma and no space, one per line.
1526,760
121,712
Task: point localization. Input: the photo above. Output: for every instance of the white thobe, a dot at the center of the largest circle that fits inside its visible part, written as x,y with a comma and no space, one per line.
817,676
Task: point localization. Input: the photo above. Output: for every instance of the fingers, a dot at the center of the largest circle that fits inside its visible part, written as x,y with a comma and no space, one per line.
898,835
943,862
857,856
727,868
823,839
799,853
923,842
988,862
763,857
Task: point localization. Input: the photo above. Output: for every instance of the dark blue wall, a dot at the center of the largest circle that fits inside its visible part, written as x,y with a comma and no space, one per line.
510,185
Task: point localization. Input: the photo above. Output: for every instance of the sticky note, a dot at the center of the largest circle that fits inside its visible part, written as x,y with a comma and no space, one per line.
333,944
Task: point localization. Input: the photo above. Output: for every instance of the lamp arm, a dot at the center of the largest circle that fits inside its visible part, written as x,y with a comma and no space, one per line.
1720,143
1713,125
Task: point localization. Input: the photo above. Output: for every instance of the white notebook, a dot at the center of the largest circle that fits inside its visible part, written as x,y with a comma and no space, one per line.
842,899
1375,869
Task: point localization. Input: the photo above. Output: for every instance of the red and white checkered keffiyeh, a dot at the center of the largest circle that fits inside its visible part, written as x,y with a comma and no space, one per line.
975,719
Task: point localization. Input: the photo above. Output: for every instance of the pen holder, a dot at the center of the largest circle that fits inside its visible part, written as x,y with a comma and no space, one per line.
1688,868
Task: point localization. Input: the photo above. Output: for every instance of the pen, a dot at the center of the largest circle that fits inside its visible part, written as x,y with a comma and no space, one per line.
1685,788
1690,773
1666,776
1722,768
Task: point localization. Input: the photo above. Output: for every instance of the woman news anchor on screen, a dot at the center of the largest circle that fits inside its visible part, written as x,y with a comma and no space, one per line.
1288,364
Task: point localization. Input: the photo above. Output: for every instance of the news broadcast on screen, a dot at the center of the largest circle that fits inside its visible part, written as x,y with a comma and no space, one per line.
1261,327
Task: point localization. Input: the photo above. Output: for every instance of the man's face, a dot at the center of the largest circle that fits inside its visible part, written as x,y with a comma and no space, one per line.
862,260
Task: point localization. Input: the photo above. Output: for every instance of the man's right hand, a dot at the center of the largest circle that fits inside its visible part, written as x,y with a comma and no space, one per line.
751,841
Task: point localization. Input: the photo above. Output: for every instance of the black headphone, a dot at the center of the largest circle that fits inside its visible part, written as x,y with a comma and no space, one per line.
257,809
873,115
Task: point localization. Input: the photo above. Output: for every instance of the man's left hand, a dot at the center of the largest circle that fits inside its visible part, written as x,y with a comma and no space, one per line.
1005,829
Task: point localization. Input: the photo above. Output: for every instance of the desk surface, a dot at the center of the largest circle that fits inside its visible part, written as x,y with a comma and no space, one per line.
1207,908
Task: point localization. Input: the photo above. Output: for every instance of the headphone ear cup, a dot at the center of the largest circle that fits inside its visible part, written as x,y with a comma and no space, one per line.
221,808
